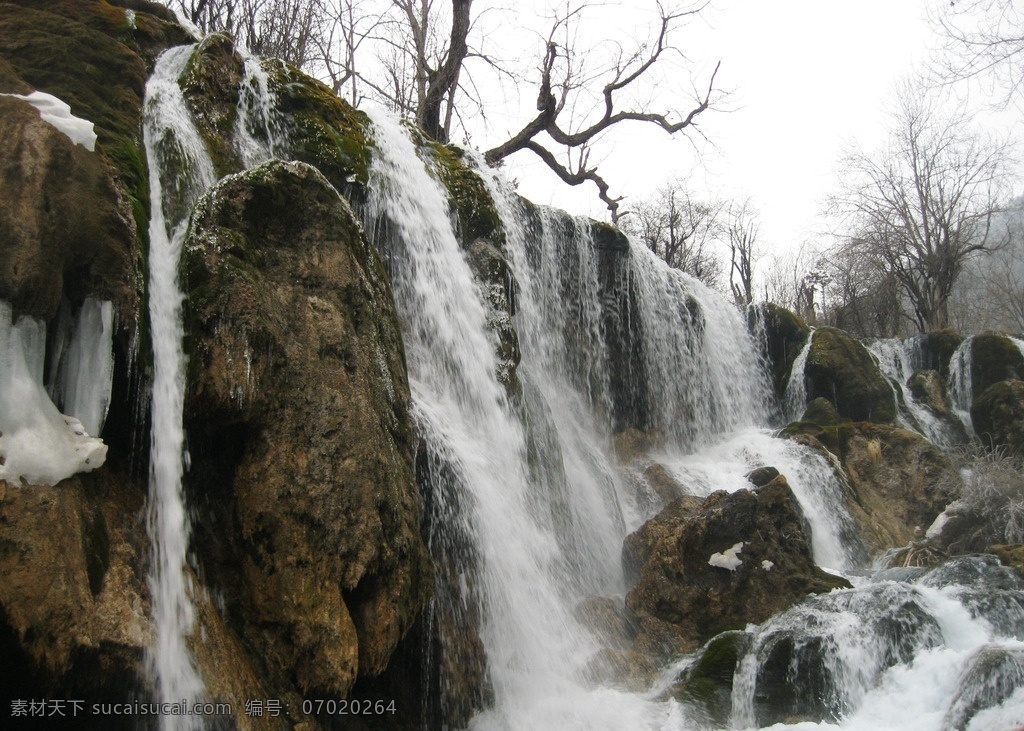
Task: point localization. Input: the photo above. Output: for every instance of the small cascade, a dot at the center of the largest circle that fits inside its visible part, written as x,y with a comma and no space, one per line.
907,649
795,398
724,466
898,359
259,127
960,385
180,170
700,361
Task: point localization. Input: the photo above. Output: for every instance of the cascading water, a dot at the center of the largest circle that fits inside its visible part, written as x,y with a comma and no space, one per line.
907,649
258,124
960,385
795,397
898,359
179,171
535,647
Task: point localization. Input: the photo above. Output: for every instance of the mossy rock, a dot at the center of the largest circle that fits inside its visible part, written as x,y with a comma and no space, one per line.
96,58
840,369
1011,555
211,85
820,411
785,335
994,358
467,192
998,416
707,683
937,348
324,130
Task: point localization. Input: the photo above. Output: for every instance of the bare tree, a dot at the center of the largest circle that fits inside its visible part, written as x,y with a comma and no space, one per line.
559,84
923,205
860,294
421,57
681,229
742,231
798,281
983,40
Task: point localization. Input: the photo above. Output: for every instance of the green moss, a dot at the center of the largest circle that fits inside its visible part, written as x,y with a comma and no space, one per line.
994,358
840,369
708,682
477,215
937,349
325,131
211,84
1011,555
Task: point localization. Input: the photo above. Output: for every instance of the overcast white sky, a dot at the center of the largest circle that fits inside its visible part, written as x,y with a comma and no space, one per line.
809,76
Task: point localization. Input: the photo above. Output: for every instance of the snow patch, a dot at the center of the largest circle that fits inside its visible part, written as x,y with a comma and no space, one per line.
58,113
728,559
767,565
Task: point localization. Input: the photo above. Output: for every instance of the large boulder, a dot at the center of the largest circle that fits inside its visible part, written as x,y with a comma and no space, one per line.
739,559
994,358
998,416
298,414
72,588
840,369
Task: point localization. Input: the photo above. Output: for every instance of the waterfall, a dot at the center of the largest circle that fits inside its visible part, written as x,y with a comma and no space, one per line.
536,649
258,123
960,384
897,360
794,401
180,169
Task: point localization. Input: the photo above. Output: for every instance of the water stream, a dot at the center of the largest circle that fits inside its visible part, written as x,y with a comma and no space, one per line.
179,171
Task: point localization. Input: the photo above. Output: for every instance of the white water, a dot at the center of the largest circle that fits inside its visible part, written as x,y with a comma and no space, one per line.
258,125
960,386
173,145
897,359
724,466
794,401
902,654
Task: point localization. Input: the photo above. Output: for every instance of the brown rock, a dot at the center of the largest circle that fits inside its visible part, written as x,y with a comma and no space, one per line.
682,599
298,408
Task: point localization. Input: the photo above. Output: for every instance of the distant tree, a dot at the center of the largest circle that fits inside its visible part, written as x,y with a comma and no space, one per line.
860,295
742,230
797,280
682,229
990,292
924,204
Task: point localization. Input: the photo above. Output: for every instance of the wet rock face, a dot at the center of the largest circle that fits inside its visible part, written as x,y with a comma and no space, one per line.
62,230
738,559
998,416
298,416
840,369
